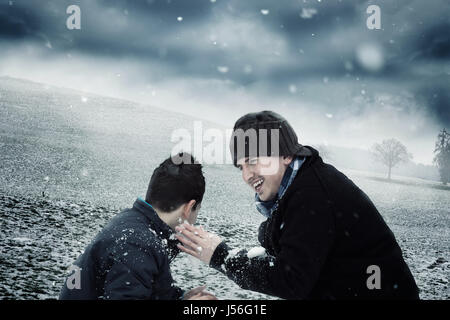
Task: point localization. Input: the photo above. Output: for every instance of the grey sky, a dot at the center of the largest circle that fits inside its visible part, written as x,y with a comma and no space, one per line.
315,62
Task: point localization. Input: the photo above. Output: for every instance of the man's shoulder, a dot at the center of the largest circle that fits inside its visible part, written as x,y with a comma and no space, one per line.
307,181
322,176
311,186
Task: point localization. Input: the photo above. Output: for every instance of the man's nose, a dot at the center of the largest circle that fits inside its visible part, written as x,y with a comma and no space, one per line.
246,174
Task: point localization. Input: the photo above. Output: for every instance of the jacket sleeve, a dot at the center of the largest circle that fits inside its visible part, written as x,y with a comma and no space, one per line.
306,239
132,274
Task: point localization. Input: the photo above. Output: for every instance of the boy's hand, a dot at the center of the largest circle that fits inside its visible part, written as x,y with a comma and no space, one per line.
201,296
199,293
197,242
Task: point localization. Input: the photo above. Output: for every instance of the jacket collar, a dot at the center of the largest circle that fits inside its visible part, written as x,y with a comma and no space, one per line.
307,164
311,159
162,230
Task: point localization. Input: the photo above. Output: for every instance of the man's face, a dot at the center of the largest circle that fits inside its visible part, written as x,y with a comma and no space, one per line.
264,174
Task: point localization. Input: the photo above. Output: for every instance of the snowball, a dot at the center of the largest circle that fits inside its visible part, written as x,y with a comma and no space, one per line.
265,11
256,252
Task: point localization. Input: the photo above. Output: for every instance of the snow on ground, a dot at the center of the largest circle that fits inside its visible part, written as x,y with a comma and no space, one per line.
67,166
42,237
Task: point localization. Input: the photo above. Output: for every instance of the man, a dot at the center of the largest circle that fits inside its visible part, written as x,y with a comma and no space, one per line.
130,257
323,237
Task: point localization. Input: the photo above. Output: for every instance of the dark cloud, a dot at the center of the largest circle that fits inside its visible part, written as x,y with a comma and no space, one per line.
18,23
324,18
165,9
255,44
435,44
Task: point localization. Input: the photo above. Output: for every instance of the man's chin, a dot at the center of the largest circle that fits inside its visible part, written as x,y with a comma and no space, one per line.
264,198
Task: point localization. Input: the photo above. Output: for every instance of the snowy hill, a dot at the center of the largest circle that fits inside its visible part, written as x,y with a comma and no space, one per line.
95,155
65,142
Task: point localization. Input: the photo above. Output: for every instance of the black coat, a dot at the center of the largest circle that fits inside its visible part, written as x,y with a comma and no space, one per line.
320,242
128,259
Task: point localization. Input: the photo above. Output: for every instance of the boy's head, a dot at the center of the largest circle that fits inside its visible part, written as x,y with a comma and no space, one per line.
263,145
175,185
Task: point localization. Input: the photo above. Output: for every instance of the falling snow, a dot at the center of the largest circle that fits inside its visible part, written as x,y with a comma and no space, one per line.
42,235
308,13
222,69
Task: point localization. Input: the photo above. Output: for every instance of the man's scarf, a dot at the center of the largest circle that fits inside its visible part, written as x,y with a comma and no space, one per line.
266,208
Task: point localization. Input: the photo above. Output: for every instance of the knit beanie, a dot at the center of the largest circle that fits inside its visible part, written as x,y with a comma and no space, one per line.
264,134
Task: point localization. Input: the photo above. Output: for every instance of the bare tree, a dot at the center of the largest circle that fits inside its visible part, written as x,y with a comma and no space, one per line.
390,152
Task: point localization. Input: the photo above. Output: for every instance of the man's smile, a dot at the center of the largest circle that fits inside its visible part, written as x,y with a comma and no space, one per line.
257,184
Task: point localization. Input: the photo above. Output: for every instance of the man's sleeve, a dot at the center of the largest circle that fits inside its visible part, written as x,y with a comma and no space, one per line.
306,240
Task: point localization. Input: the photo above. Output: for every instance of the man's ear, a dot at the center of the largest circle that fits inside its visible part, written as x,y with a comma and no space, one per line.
187,209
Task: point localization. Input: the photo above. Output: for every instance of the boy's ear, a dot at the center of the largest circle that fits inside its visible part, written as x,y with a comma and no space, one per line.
188,209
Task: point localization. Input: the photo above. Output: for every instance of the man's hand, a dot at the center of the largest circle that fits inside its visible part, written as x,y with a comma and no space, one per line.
197,242
199,293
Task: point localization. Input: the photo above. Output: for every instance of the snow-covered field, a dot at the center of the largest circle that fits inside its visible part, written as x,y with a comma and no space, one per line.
70,161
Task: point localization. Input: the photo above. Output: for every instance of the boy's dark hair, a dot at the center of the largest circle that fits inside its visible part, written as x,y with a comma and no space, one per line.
173,184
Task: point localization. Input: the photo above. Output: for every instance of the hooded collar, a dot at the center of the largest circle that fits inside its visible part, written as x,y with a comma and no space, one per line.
162,230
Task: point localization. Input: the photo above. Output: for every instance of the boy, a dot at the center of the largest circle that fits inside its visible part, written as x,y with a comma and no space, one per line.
130,258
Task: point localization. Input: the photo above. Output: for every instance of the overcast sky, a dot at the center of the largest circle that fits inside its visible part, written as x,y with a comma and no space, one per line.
314,62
